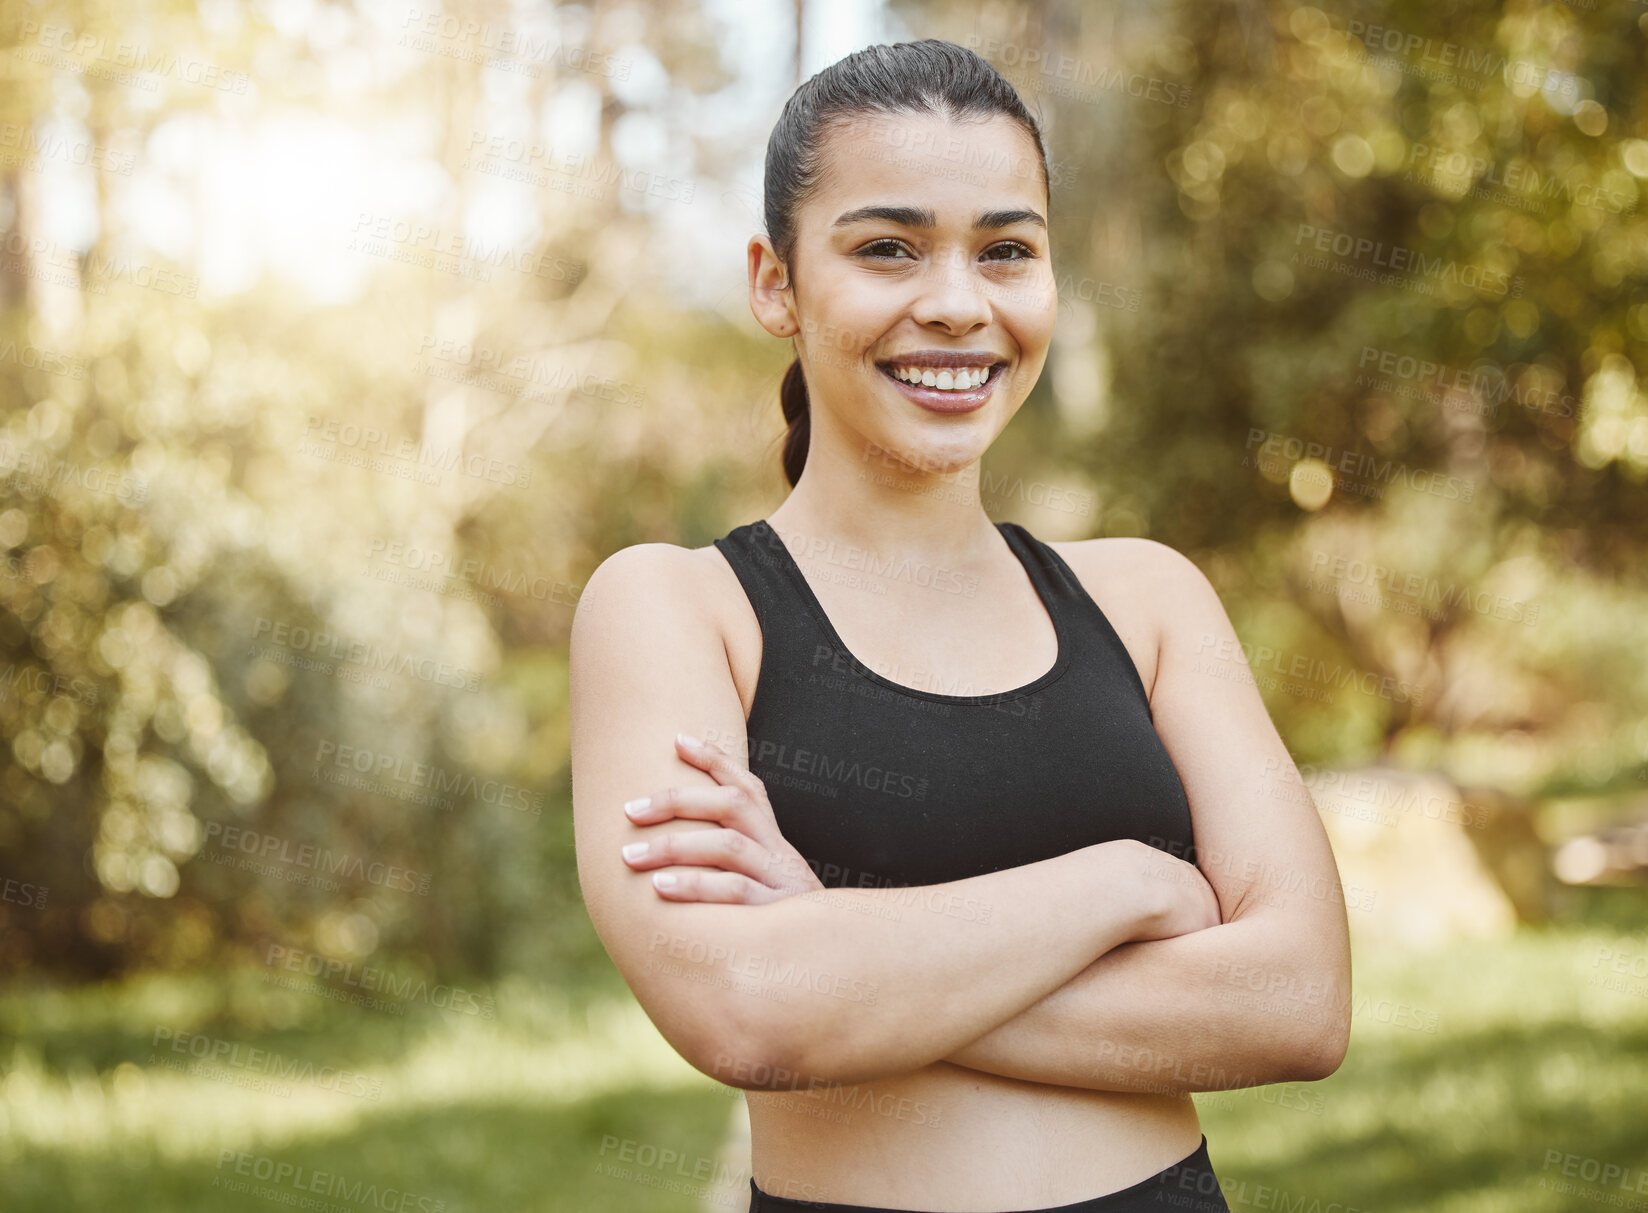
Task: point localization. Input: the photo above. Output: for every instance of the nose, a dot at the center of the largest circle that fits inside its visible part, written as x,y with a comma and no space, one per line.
951,295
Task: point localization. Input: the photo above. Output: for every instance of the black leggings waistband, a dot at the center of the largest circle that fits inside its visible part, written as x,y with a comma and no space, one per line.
1188,1186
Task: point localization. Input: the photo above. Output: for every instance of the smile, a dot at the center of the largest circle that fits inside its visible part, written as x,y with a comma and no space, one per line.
944,389
946,379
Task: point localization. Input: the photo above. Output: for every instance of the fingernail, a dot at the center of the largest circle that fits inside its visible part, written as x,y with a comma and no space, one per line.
635,850
688,740
663,880
636,807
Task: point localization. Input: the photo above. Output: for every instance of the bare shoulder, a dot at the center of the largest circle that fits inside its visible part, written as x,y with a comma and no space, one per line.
657,580
636,580
1132,558
664,600
1146,589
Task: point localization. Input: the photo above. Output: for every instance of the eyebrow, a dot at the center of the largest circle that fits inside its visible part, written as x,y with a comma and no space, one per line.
915,216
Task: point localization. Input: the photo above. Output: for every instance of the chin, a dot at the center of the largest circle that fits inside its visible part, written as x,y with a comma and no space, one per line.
925,456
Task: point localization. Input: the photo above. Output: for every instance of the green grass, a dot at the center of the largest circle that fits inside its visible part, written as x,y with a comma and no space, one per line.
1527,1058
558,1103
521,1113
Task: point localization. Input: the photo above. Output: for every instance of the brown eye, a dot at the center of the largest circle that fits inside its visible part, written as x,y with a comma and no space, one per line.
867,250
1011,244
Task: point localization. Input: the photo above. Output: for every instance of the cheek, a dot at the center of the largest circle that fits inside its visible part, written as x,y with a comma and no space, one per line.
1029,314
842,331
1031,343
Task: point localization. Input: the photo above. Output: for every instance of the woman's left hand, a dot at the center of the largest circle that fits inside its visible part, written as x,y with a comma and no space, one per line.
747,861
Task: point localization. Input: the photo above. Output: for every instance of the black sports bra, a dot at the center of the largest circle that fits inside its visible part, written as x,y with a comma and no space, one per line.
880,784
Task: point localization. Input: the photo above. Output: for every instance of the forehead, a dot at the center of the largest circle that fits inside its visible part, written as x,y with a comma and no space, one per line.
955,167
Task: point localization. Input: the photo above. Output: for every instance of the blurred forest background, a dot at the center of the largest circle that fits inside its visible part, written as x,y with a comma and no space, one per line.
340,342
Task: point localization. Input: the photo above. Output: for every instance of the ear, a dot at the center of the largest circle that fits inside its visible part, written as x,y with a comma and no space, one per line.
771,300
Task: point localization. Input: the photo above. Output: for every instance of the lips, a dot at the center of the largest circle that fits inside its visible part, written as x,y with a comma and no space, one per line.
951,399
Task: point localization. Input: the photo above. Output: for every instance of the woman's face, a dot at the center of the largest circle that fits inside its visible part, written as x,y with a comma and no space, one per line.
925,247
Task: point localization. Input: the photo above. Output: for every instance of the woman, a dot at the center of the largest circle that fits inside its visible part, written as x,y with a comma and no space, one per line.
970,879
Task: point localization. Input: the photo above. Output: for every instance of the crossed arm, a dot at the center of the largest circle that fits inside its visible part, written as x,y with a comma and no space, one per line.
1074,993
1230,1006
1264,996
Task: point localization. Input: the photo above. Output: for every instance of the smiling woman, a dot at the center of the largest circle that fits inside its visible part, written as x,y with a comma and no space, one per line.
881,131
966,884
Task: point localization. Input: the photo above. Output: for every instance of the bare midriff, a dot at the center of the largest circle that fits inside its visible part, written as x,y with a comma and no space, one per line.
949,1138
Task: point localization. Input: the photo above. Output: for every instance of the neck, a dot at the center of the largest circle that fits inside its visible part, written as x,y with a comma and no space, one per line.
854,493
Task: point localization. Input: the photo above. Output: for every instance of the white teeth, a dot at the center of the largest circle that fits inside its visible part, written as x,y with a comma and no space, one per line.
945,380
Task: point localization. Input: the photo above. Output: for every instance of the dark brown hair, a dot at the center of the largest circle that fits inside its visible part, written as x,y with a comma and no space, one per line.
926,77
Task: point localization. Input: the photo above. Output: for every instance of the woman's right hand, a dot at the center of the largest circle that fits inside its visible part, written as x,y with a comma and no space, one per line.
747,861
1174,898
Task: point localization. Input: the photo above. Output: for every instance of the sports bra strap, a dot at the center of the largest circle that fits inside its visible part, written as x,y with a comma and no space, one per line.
757,555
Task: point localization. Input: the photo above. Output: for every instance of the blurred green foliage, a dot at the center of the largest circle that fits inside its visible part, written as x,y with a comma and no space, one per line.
1427,482
1351,312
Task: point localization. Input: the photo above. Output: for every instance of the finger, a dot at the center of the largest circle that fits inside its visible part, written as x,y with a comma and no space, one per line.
704,884
719,764
691,803
727,850
698,751
729,807
786,870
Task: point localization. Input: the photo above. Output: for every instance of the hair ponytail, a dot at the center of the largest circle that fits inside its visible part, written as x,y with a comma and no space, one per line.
925,77
792,396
